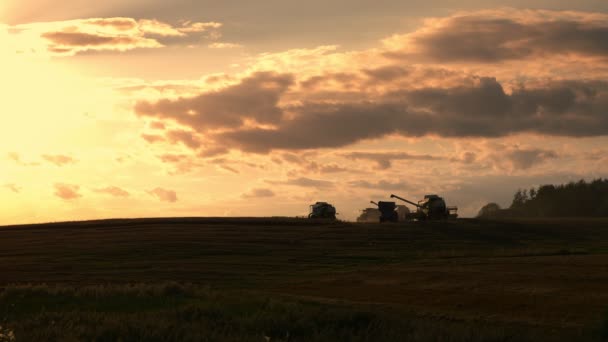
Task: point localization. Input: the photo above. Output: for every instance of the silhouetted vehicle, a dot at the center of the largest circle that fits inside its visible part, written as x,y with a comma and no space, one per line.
322,210
369,215
432,207
387,211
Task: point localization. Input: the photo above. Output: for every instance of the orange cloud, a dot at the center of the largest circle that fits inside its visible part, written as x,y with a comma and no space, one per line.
113,191
164,195
152,138
258,193
59,160
67,38
67,191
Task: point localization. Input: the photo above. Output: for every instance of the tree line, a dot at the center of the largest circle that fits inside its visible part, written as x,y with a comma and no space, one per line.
575,199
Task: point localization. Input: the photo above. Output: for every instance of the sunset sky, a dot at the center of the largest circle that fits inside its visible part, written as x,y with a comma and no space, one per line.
140,108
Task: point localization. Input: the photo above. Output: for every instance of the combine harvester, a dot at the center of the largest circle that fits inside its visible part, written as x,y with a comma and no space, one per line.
387,211
322,210
384,212
432,207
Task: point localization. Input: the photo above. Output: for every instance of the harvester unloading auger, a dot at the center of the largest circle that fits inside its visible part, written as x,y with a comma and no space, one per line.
432,207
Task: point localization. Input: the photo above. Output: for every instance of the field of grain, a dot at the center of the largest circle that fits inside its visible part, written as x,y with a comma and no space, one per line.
285,279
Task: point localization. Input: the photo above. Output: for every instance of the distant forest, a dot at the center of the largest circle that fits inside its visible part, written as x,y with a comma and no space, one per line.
589,199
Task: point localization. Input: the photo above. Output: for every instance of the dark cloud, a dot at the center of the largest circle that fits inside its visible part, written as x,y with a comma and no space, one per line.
481,38
164,195
384,159
213,152
322,125
67,191
338,77
113,191
565,108
258,193
523,159
255,98
482,109
386,73
59,159
479,107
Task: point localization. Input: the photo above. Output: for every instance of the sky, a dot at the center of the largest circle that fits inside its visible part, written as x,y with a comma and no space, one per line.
241,108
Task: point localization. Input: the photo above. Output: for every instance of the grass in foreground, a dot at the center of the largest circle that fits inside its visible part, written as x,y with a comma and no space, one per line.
174,312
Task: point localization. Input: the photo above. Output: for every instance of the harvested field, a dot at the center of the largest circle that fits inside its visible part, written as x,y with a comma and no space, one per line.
461,280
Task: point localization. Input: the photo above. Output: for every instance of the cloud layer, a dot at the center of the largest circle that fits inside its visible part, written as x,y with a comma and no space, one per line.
406,93
67,38
477,108
500,35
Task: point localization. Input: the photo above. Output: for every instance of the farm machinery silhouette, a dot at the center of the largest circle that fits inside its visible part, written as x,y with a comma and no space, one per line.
322,210
432,207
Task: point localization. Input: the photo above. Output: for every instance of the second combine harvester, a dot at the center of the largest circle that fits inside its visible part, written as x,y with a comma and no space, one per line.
432,207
